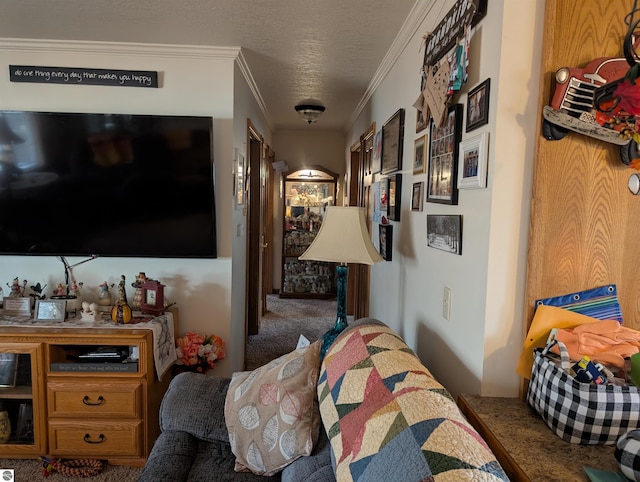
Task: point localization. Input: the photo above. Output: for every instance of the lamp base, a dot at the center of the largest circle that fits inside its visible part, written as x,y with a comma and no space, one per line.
341,320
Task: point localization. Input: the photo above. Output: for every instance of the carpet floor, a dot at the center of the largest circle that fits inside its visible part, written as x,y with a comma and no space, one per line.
286,319
280,328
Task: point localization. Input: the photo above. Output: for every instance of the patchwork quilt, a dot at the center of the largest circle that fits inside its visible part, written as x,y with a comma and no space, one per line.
388,419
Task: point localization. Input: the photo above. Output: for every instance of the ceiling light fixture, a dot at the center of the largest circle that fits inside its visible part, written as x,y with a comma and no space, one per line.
310,112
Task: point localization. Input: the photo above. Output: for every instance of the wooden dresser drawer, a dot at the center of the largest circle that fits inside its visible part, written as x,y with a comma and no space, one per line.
104,399
104,438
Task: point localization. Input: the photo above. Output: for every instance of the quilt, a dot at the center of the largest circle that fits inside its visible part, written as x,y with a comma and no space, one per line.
387,418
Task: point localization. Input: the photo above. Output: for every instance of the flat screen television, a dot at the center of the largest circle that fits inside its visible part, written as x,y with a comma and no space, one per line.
80,184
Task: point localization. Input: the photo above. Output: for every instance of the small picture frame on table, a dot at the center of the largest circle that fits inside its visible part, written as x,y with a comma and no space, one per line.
444,141
416,196
50,310
386,241
8,369
16,306
472,164
478,106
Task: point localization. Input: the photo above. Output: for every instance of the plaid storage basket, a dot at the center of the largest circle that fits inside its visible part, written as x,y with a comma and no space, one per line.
580,413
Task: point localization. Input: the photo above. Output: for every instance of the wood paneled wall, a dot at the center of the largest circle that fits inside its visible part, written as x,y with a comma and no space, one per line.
585,224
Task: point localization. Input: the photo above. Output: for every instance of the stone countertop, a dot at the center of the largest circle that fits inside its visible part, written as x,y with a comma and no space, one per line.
526,448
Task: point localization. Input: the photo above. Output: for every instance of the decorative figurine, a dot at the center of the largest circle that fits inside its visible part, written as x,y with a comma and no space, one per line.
61,290
36,294
104,295
17,291
90,312
74,303
122,292
137,295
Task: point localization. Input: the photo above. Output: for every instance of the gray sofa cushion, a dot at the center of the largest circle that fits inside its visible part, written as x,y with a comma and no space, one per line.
194,403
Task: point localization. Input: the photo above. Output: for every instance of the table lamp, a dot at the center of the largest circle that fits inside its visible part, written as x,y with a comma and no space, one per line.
343,238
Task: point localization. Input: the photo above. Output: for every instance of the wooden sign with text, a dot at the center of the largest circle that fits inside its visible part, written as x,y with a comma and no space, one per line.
82,76
445,35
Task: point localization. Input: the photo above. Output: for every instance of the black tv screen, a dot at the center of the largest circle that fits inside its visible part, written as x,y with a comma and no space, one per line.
106,184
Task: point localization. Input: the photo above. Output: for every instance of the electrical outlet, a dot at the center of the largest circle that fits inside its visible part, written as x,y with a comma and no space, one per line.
446,304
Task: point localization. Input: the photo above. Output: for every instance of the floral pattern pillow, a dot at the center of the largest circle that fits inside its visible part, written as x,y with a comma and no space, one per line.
272,412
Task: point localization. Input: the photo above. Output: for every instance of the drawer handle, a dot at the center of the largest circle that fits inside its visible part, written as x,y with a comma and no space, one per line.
87,439
87,401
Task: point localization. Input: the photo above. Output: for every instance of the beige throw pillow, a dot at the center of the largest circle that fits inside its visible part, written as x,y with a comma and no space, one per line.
272,412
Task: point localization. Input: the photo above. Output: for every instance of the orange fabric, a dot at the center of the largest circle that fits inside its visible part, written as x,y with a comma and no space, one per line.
546,318
605,341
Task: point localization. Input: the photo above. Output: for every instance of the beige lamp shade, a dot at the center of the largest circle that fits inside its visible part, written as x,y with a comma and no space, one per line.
343,238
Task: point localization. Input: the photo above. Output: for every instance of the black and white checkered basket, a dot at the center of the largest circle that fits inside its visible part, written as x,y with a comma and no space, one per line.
580,413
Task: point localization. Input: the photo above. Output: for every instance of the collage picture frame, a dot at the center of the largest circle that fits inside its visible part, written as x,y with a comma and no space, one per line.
442,174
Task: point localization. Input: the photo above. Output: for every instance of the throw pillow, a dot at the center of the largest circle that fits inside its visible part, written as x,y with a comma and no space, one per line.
272,412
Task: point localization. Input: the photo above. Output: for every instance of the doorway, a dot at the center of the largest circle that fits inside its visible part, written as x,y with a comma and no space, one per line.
259,229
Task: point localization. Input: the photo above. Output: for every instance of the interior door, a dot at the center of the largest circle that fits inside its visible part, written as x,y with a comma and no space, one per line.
266,226
254,275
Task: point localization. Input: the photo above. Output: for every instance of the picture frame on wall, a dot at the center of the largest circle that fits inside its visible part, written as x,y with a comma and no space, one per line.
416,196
419,154
385,237
478,106
392,140
376,155
239,178
394,195
444,232
472,162
8,369
442,173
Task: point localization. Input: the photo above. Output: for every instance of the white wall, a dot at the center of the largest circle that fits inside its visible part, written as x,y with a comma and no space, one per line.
476,351
193,81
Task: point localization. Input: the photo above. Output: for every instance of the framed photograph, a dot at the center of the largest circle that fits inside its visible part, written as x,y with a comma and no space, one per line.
421,122
16,306
442,173
419,154
416,196
478,106
50,310
472,163
386,240
239,178
392,139
8,369
394,190
376,156
445,232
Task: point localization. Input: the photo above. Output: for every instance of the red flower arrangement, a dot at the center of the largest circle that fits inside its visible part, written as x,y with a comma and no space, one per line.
199,352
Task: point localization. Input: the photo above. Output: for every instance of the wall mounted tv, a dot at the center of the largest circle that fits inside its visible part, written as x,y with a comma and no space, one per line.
106,184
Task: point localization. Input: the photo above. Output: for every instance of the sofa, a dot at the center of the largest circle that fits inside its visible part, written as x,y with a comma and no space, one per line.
375,413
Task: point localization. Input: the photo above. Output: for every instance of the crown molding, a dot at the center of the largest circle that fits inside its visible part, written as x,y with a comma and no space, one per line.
407,32
248,77
118,48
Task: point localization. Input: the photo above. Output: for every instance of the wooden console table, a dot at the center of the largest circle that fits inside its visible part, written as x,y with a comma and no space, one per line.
85,410
526,448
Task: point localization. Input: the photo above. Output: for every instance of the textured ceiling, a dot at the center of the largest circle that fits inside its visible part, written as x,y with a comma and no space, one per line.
327,50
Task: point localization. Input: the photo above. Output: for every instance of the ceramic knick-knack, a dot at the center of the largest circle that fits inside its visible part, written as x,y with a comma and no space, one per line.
5,427
104,295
